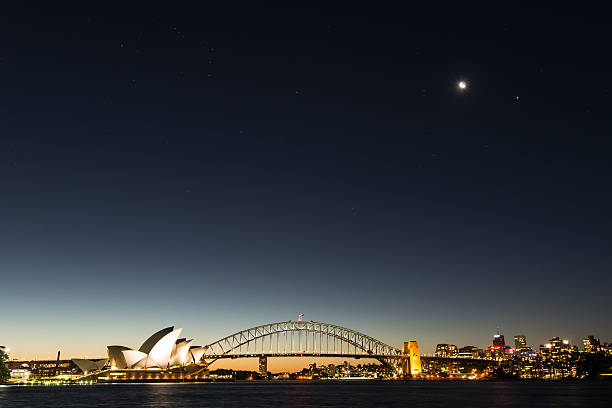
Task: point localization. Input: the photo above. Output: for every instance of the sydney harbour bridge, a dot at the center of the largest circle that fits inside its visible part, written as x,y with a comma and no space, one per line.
316,339
307,339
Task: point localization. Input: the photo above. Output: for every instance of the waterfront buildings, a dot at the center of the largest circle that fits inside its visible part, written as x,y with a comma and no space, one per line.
38,369
470,352
446,350
556,359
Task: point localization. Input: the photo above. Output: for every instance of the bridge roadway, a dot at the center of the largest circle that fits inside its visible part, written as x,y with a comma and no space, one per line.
304,354
213,358
439,358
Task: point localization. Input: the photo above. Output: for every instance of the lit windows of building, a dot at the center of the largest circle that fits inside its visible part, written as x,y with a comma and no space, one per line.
441,350
20,374
469,352
591,345
520,341
498,341
45,368
446,350
498,349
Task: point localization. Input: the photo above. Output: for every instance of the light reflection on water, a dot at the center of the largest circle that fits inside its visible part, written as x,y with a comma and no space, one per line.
331,394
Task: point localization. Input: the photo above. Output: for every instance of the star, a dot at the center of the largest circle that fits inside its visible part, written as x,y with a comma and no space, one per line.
462,85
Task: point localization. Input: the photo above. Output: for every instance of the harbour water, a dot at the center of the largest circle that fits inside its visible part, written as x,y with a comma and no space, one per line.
317,394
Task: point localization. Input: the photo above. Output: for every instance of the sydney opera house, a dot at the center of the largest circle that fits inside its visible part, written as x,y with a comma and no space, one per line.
162,356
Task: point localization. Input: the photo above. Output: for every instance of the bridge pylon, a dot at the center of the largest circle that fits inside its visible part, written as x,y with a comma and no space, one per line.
411,364
263,366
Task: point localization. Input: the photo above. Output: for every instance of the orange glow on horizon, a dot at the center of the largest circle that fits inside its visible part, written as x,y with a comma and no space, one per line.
285,364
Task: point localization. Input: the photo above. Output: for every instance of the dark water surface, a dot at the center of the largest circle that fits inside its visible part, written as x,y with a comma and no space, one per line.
316,394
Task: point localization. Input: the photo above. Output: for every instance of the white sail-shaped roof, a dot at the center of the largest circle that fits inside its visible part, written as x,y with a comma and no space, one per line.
115,356
146,362
162,350
101,363
195,354
149,343
179,354
88,366
134,357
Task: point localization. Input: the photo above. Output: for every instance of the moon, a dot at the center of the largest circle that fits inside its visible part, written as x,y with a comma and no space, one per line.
462,85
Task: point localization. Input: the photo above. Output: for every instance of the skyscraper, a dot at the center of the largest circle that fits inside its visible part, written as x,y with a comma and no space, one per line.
498,341
520,341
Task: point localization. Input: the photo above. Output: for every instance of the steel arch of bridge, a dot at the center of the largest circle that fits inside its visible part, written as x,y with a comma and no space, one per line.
298,339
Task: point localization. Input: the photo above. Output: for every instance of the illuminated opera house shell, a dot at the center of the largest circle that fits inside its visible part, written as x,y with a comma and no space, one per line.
89,366
162,350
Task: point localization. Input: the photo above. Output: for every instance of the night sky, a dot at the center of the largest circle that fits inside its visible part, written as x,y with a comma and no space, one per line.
216,169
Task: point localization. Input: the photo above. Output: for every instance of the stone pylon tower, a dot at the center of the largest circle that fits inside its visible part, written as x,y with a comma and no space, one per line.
412,365
263,366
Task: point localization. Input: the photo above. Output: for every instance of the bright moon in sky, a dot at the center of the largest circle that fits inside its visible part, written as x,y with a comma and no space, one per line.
462,85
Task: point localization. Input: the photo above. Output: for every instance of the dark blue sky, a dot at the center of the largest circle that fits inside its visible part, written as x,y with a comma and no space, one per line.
217,169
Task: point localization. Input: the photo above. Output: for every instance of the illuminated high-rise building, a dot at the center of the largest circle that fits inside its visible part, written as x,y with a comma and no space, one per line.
498,341
520,341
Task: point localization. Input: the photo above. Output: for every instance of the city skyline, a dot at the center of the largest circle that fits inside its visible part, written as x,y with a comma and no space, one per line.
410,172
564,355
289,364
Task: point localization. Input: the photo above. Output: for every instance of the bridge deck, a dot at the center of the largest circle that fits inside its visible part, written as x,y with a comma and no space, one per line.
342,355
305,354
